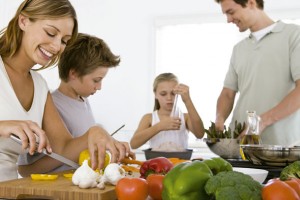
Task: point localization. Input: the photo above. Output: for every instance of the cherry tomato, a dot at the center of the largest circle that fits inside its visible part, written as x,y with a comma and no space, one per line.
155,186
132,188
278,190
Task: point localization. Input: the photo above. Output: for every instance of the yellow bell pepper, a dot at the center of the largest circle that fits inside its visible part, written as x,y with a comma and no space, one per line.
85,155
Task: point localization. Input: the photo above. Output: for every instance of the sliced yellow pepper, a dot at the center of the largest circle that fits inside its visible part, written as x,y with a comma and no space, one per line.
40,177
69,175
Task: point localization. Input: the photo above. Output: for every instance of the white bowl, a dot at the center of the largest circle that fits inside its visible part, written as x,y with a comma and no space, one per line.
259,175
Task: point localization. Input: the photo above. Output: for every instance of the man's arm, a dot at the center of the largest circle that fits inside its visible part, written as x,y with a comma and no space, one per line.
286,107
224,107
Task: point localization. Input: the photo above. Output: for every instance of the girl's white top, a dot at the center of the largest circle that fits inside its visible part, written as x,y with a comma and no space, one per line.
172,140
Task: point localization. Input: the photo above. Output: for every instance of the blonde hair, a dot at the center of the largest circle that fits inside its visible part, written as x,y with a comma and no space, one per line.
11,36
162,78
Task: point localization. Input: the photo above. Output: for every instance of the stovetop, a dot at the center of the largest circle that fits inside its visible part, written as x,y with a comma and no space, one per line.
274,171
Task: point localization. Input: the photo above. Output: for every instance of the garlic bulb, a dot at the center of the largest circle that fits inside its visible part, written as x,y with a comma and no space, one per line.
85,177
112,174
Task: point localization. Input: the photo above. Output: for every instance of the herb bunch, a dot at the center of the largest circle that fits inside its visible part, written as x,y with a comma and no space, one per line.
212,132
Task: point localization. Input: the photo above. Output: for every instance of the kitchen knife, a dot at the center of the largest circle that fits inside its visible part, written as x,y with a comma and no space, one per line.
52,155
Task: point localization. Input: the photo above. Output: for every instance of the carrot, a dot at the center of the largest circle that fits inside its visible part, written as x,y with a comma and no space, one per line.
131,161
176,161
129,168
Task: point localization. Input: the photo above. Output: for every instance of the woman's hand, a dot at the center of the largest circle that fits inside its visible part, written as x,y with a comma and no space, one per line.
29,133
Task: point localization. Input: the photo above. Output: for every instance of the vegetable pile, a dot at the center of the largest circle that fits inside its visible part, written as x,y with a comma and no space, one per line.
175,179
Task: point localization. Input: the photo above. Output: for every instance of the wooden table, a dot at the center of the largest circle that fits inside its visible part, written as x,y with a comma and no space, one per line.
59,189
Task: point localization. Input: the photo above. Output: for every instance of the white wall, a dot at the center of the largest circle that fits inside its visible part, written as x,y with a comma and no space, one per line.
128,26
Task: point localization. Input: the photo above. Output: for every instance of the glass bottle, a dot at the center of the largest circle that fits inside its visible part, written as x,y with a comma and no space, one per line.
252,133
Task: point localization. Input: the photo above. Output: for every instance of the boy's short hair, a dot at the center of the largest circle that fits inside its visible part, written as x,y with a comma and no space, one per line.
84,55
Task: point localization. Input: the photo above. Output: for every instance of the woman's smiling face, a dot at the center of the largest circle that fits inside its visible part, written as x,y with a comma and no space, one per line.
43,40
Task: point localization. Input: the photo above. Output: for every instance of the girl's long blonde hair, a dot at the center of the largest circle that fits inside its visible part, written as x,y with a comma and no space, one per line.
11,36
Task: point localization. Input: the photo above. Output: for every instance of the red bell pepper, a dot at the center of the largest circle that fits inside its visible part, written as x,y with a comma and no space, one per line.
159,165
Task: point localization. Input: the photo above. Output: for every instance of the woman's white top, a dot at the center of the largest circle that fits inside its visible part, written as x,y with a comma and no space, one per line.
11,109
172,140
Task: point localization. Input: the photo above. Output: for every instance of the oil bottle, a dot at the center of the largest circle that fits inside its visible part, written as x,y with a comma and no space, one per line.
252,133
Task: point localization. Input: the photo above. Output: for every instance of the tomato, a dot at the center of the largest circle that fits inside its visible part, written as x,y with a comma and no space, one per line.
85,155
293,183
129,188
155,186
278,190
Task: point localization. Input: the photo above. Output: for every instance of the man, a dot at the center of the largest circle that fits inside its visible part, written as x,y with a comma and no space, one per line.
265,70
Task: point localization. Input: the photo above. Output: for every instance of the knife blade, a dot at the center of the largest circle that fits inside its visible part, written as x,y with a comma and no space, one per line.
61,159
52,155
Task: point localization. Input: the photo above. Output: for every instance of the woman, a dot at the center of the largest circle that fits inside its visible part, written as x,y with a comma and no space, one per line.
38,34
166,130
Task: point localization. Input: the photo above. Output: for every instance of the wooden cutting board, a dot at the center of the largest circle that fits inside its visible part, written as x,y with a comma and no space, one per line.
59,189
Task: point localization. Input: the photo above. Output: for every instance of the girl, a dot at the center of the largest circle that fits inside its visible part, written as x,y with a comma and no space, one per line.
163,130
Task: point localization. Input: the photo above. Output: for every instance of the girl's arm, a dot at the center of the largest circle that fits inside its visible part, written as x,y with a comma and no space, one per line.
193,120
144,132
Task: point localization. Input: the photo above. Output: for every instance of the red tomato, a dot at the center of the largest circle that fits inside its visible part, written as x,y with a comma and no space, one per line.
278,190
155,186
132,188
293,183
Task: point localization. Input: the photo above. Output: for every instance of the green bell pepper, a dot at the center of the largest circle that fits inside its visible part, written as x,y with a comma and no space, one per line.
218,164
186,181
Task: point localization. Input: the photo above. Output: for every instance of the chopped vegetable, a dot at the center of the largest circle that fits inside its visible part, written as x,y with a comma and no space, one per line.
69,175
43,177
228,185
176,161
291,171
131,161
129,168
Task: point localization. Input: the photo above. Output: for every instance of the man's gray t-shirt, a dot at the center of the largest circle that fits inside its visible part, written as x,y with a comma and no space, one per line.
264,72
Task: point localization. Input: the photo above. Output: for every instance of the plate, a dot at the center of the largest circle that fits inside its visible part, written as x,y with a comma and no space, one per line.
259,175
